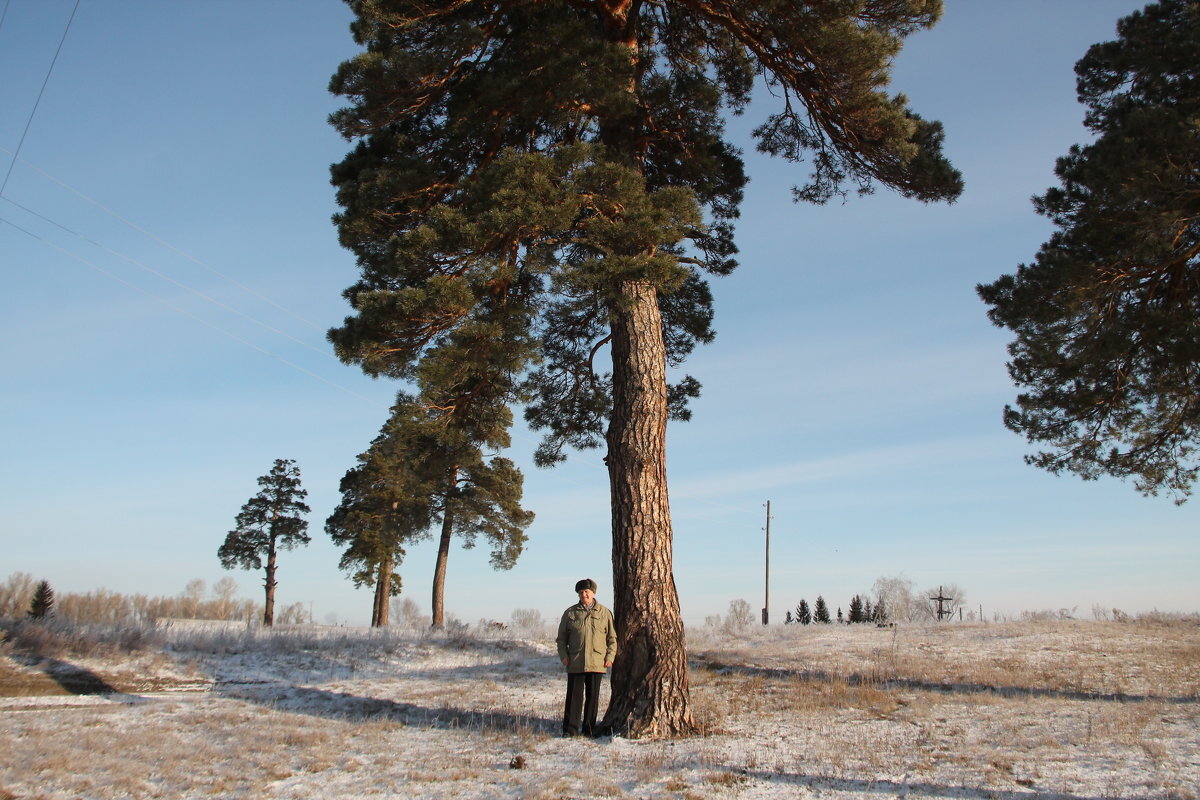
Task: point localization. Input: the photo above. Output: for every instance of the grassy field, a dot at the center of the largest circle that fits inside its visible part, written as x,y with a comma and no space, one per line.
1047,709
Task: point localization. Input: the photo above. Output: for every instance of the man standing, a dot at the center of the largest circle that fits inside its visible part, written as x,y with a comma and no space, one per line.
587,645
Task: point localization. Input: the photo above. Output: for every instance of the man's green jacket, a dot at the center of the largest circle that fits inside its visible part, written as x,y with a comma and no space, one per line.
587,637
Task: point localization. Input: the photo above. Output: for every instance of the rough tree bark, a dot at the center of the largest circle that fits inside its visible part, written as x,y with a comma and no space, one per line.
270,584
443,555
650,695
383,594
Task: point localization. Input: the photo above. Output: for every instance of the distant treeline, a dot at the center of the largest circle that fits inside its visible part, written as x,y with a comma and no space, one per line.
861,610
893,598
102,606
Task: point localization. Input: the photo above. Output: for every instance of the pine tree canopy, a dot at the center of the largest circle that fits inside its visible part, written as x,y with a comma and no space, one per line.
381,509
420,465
517,163
1107,317
269,521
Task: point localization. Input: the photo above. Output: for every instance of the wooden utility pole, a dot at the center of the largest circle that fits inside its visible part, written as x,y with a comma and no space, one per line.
767,576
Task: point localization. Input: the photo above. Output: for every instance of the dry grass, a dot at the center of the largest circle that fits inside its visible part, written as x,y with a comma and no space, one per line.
1049,656
1041,707
939,700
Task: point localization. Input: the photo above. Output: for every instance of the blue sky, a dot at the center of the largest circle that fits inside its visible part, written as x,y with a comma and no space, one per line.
170,270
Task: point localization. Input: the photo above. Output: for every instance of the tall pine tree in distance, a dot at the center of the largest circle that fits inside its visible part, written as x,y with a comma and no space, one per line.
383,507
427,469
550,183
803,613
269,521
471,495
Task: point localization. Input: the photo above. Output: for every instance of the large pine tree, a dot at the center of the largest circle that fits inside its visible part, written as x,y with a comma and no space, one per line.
269,521
427,469
380,511
470,494
1107,317
550,181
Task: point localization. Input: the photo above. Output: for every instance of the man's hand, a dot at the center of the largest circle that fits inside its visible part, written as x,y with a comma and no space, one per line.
607,664
566,662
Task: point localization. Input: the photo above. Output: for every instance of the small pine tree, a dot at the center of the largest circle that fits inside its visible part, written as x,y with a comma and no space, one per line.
856,609
821,614
868,611
841,619
788,619
803,614
42,605
880,614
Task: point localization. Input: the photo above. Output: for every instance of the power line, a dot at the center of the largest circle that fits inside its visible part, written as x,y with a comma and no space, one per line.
37,102
198,262
169,279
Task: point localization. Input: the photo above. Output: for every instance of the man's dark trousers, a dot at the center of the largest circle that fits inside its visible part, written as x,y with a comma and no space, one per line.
583,700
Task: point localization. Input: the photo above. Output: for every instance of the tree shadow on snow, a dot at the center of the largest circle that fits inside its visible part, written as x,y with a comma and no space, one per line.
76,679
854,679
345,706
287,658
71,678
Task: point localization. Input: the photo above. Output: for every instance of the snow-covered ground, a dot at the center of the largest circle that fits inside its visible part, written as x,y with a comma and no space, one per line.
1064,709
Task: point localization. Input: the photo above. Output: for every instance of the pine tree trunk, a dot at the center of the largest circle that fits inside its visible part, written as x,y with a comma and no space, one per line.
443,555
650,696
269,608
383,593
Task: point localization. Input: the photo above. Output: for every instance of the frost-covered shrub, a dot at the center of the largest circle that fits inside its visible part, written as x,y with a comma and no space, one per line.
16,593
528,620
740,615
405,613
58,638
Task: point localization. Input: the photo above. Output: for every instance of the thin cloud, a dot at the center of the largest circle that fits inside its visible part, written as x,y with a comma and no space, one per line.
859,465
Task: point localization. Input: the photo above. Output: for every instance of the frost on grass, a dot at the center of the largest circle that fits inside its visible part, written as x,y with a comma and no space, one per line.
1038,708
